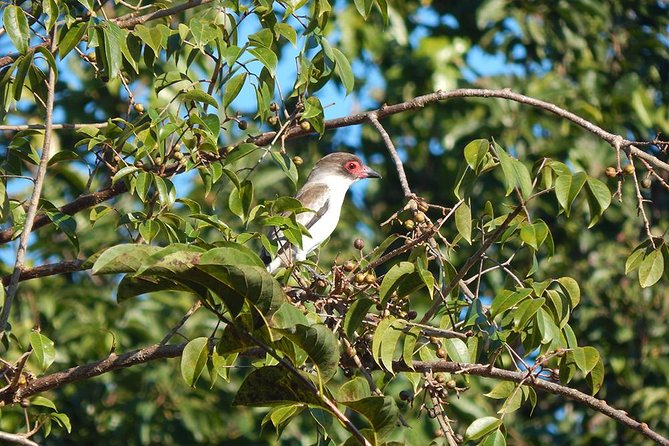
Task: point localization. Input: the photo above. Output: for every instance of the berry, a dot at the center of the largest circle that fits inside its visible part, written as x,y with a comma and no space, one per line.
441,353
305,126
629,169
409,225
139,107
645,183
273,120
298,161
360,278
349,266
358,243
611,172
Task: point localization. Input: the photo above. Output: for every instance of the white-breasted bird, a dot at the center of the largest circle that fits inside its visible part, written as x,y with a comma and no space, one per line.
324,194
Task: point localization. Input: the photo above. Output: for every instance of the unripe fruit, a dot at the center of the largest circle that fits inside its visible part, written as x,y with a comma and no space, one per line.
439,433
422,206
178,155
139,107
350,352
358,243
273,106
158,160
273,120
369,278
645,183
360,278
305,125
440,377
434,339
298,161
243,125
349,266
611,172
409,224
411,315
441,353
629,169
451,384
419,217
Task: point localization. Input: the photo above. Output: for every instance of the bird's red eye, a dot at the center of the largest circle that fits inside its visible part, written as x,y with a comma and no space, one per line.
351,166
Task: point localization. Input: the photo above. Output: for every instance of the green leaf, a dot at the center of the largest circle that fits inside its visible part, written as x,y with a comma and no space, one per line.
344,70
634,260
514,172
266,57
124,172
481,427
463,221
193,360
43,350
599,199
382,412
392,278
44,402
502,390
167,193
409,346
62,420
572,289
457,350
567,188
526,310
494,439
595,378
651,268
475,153
355,315
70,37
197,95
364,7
16,26
586,358
320,344
508,299
122,258
232,88
274,385
230,253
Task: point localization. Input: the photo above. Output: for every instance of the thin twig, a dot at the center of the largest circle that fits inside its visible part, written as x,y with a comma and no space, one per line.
189,313
374,119
34,199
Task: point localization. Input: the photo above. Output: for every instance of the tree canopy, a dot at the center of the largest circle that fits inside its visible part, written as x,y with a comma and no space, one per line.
506,282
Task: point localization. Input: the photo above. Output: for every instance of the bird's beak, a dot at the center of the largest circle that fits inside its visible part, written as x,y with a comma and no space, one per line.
370,173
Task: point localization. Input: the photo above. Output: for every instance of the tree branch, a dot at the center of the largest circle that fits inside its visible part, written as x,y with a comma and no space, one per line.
360,118
50,269
86,371
488,371
19,127
373,118
17,439
34,199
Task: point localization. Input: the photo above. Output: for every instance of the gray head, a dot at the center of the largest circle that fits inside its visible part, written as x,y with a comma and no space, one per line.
342,164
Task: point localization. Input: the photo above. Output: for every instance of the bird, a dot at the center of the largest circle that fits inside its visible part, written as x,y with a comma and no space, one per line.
323,193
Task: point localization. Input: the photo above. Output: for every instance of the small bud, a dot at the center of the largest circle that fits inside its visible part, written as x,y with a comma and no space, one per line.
434,340
645,183
298,161
451,384
629,169
350,352
305,125
158,160
243,125
320,283
272,120
611,172
25,402
440,377
178,155
139,107
91,56
273,106
358,243
349,266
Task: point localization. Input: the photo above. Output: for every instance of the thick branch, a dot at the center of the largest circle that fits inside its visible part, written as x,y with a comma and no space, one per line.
537,383
422,101
50,269
385,111
16,439
19,127
86,371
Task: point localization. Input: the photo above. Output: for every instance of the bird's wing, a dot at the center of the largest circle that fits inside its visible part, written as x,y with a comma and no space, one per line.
314,197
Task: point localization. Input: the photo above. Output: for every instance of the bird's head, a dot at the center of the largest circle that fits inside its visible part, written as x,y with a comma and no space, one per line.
342,165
